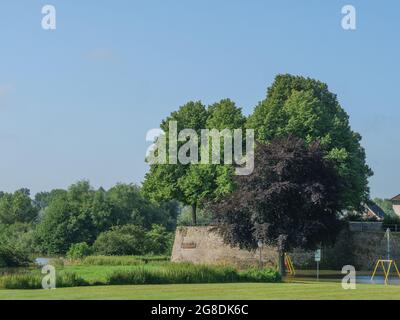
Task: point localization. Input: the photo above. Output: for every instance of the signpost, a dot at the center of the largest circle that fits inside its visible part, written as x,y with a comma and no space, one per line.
387,234
260,245
317,259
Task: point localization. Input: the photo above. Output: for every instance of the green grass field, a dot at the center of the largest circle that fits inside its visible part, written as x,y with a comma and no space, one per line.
258,291
99,273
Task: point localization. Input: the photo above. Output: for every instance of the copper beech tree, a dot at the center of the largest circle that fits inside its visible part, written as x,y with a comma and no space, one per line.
291,200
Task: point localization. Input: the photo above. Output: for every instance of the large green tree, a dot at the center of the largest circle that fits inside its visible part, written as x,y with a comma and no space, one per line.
17,207
191,184
306,108
68,219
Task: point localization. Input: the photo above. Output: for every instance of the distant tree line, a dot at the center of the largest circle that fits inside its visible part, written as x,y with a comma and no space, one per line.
114,221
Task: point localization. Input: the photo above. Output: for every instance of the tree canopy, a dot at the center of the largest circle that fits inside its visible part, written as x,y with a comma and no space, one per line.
17,207
188,183
305,108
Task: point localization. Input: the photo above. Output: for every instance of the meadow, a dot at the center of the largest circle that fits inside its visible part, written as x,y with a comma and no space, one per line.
221,291
102,271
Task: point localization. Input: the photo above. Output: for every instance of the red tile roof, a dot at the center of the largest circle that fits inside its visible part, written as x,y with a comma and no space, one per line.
396,198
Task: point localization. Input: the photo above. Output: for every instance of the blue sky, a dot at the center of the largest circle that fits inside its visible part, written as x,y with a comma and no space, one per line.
77,102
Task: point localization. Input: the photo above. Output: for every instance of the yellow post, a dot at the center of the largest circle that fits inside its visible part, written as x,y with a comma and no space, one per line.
376,268
292,266
384,269
388,271
289,265
395,266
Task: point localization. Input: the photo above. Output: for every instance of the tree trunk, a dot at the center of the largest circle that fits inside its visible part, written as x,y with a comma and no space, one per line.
281,263
194,214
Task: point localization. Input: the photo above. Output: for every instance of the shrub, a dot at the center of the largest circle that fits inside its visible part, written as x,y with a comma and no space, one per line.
158,240
19,235
391,219
260,275
79,251
134,240
123,240
13,257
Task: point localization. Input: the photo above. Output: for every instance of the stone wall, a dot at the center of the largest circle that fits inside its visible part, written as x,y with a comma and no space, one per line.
370,246
201,245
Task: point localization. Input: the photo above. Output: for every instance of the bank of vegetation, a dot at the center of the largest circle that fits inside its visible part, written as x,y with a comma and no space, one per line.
127,271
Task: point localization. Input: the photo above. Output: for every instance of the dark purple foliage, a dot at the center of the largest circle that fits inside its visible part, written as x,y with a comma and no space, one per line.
291,200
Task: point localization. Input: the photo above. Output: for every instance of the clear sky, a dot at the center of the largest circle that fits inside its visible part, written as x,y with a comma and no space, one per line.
77,102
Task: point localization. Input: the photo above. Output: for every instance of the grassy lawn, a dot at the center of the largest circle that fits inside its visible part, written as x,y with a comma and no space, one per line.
99,273
258,291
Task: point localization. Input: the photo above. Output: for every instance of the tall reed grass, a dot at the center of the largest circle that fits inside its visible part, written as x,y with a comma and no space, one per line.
166,273
34,281
189,273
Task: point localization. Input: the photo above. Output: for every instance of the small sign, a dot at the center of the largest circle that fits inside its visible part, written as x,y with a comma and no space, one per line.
188,245
318,255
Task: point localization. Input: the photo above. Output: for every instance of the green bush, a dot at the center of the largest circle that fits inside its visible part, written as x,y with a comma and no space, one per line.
19,235
123,240
79,251
158,240
134,240
391,219
11,256
260,275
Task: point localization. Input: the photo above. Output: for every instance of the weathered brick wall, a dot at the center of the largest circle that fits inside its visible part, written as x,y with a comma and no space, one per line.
202,246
